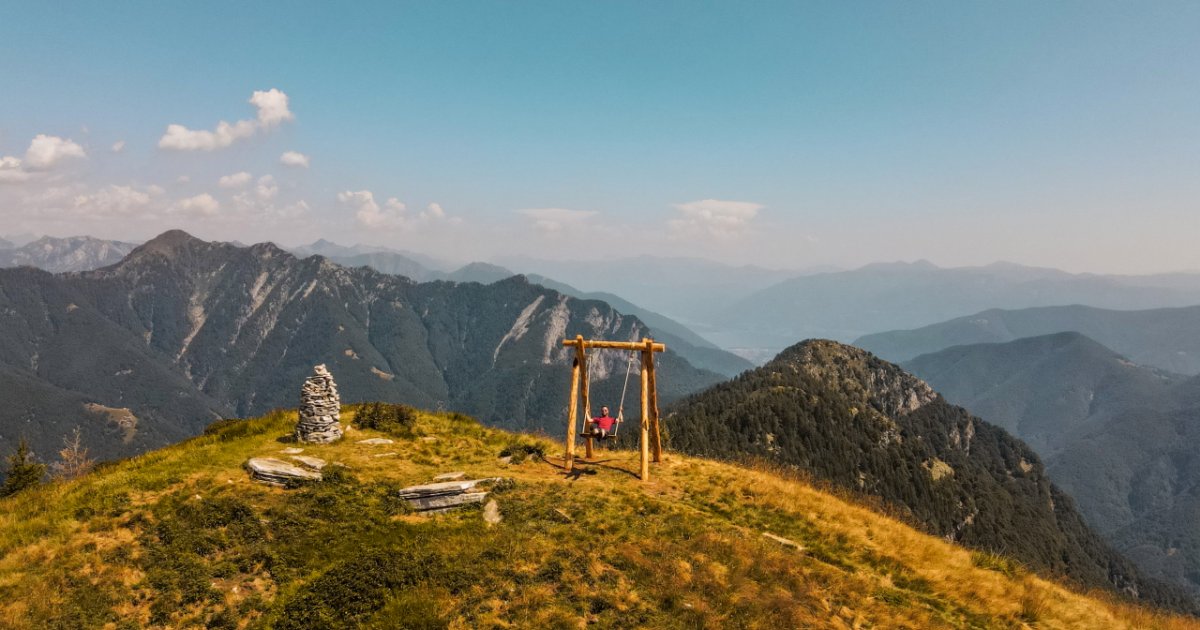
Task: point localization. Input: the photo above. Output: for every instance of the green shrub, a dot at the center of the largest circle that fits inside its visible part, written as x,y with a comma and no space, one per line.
996,562
520,451
386,417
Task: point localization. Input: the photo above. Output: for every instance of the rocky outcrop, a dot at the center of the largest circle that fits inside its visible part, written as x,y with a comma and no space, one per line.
320,409
441,497
277,472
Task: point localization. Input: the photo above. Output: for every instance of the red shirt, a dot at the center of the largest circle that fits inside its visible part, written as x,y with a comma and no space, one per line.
604,422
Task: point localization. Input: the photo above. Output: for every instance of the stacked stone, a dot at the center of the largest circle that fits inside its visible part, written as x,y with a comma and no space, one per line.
320,409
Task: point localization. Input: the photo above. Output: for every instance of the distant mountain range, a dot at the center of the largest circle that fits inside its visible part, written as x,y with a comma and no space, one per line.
331,250
1120,438
845,416
76,253
1166,338
689,290
183,331
849,304
697,350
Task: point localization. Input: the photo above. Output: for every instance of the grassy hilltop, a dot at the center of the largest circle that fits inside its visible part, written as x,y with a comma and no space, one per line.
180,537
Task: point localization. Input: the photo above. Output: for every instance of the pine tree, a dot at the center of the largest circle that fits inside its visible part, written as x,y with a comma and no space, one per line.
23,472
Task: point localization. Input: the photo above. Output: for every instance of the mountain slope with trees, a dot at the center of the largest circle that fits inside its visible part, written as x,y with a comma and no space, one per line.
183,331
1120,438
845,416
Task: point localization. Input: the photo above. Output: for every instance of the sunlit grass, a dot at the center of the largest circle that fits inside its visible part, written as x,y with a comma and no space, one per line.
181,537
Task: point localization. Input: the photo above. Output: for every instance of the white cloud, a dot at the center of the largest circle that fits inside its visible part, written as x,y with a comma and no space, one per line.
118,146
202,205
713,217
11,171
236,180
272,108
183,179
180,138
294,158
393,214
433,212
395,205
555,220
115,201
367,211
266,189
46,151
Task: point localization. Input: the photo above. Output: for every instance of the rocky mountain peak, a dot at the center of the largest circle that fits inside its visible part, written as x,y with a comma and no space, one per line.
859,373
170,240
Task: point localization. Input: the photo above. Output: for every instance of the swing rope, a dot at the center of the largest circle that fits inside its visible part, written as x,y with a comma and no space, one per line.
624,389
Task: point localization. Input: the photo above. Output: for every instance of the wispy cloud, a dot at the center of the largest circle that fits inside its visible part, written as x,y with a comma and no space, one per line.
713,218
393,214
294,158
554,220
44,153
202,205
116,201
272,106
236,180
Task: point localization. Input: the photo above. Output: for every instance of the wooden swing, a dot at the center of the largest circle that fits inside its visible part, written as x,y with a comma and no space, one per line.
587,412
651,439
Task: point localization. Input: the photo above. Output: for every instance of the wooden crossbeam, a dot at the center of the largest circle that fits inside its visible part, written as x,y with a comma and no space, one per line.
613,345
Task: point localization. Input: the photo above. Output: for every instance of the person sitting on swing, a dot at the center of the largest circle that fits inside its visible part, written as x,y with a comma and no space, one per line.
602,425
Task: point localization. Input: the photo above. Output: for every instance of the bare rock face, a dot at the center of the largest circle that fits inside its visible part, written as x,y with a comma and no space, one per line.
320,409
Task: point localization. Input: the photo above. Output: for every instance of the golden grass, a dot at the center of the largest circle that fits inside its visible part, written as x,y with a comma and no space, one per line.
596,547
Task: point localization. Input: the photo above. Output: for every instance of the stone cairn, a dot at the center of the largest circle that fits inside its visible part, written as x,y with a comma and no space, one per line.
320,408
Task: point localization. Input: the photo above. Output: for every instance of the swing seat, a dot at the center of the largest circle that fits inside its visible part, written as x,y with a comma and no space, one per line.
610,436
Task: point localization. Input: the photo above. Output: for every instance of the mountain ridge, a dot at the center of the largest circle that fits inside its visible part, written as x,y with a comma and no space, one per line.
237,329
1167,338
1117,436
842,415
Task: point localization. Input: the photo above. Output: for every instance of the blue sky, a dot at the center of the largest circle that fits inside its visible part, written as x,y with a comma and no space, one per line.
785,134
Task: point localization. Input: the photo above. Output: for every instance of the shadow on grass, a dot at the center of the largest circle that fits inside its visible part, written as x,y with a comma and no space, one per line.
585,467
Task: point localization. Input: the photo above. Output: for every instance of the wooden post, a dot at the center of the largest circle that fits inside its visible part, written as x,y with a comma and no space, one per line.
585,387
652,382
572,409
645,441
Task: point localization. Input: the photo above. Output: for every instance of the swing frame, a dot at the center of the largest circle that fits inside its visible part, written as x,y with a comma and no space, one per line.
651,438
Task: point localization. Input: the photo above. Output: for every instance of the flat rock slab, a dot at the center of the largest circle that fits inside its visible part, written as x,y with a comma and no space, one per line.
451,476
389,454
376,441
441,489
292,451
314,463
436,505
278,472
